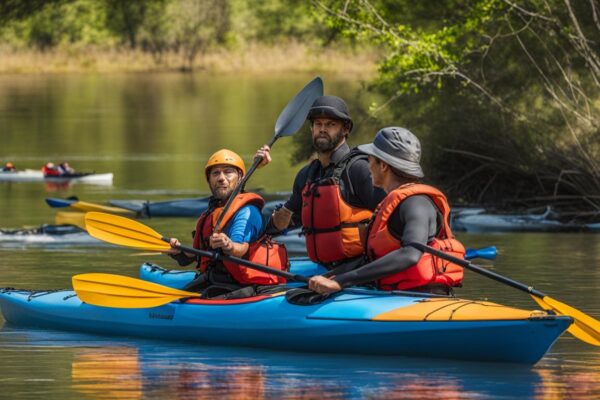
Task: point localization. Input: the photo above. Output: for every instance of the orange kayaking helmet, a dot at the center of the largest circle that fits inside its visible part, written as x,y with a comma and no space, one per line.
225,157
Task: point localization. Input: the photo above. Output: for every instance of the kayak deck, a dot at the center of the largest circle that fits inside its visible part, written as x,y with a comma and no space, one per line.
360,321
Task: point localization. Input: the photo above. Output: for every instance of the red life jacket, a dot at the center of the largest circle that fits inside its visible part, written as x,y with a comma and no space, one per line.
429,269
263,251
330,224
50,171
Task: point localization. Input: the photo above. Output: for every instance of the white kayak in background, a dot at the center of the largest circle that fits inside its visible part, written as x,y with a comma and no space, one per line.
32,175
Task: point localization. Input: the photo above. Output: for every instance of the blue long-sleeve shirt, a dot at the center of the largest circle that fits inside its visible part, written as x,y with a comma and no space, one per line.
245,226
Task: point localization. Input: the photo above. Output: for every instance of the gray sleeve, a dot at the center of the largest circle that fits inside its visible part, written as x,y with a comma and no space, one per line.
417,216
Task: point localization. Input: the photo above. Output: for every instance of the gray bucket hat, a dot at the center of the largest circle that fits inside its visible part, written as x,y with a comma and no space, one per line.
397,147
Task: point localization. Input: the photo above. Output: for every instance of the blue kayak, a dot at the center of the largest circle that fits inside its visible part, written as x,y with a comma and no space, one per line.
358,321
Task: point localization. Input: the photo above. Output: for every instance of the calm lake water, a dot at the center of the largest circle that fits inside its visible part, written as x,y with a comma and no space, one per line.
155,133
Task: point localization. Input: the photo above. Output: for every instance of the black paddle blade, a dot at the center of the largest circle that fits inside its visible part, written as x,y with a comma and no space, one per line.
294,114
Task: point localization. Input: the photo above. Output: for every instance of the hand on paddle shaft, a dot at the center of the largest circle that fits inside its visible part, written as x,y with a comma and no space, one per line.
289,122
281,216
217,241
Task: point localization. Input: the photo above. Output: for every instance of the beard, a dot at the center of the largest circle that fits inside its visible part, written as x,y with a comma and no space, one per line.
324,143
222,193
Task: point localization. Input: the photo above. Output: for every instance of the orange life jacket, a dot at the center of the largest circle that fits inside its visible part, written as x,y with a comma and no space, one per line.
263,251
429,269
330,224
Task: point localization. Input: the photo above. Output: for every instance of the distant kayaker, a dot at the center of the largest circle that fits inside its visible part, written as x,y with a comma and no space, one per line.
241,236
9,167
411,212
333,194
50,169
66,169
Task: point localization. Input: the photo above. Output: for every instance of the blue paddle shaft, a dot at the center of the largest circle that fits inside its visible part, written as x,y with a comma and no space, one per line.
289,122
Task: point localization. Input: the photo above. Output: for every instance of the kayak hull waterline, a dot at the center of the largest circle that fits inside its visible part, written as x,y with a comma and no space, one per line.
359,321
38,176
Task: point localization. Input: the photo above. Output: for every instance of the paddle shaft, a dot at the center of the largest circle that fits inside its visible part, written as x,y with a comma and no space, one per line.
263,268
475,268
290,120
240,186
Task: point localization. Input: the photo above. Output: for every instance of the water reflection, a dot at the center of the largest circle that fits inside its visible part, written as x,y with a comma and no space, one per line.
112,368
51,187
109,373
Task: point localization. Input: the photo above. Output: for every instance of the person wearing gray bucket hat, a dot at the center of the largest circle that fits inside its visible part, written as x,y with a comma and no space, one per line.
411,212
399,148
334,193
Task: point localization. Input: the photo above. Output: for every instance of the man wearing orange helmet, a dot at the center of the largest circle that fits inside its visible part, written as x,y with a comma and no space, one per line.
240,236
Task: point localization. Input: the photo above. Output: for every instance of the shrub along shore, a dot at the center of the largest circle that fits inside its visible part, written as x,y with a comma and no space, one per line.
293,57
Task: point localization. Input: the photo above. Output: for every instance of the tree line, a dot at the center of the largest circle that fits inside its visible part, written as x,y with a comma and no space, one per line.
186,27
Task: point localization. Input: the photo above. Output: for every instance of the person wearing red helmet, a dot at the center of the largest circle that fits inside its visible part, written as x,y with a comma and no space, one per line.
241,235
332,195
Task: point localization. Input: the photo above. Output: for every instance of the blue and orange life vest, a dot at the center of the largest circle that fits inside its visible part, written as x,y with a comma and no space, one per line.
330,224
429,269
263,251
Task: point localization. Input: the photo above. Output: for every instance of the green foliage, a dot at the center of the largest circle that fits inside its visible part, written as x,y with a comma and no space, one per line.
272,21
507,94
195,25
125,18
58,23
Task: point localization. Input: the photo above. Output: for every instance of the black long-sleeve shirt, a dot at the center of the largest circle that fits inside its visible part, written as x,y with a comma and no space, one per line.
416,219
356,185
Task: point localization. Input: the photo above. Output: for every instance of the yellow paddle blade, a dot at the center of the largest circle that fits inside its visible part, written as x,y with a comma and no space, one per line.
86,207
118,291
124,232
71,218
584,327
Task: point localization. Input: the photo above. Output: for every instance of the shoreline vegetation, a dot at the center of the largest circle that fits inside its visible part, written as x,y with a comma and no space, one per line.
253,58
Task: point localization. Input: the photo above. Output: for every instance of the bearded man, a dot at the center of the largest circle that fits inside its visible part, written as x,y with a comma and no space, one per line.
241,236
332,195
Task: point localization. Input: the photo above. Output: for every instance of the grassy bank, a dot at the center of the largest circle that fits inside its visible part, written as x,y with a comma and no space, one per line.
252,58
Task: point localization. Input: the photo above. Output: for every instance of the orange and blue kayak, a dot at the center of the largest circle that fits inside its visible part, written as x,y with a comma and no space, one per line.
357,321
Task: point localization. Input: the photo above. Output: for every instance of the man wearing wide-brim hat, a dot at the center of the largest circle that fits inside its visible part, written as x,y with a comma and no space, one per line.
411,212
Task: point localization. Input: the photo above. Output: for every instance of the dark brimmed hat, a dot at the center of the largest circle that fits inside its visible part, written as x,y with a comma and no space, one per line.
330,107
397,147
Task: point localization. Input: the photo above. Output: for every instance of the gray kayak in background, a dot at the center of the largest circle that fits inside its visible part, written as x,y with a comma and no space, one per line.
191,207
168,208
